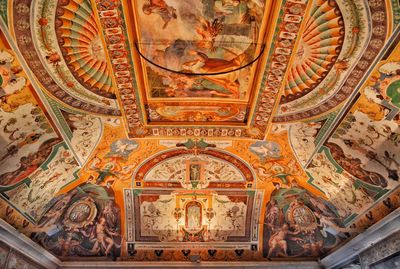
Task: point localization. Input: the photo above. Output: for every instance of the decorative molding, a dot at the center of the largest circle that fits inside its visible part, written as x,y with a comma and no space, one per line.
381,252
355,94
284,41
10,236
214,265
355,79
22,28
384,228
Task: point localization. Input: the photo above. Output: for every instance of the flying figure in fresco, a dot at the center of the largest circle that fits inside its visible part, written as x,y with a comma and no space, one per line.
108,172
167,13
208,32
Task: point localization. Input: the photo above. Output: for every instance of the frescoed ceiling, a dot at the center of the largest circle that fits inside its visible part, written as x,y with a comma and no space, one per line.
233,130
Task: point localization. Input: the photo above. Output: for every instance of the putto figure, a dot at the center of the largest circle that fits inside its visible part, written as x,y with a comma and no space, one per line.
166,12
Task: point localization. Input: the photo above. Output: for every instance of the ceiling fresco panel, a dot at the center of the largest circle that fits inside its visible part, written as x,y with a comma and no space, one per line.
320,46
34,157
339,54
76,211
225,39
198,51
173,220
304,138
195,197
51,53
363,149
84,132
215,130
229,36
80,43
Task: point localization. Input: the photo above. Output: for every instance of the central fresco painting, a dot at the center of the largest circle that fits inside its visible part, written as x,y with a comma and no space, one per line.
198,58
227,130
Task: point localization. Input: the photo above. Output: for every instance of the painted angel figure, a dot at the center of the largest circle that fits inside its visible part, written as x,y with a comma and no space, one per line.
108,172
273,215
266,149
166,12
278,241
209,30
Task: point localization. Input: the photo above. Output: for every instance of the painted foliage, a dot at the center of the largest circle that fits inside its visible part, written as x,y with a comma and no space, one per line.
303,139
84,132
275,160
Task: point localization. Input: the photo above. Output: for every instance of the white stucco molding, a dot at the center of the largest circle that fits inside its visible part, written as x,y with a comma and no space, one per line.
384,228
18,241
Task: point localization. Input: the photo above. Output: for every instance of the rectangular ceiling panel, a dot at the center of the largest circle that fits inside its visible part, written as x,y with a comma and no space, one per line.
198,58
206,67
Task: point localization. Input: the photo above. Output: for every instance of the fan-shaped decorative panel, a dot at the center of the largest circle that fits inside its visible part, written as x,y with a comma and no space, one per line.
320,46
81,46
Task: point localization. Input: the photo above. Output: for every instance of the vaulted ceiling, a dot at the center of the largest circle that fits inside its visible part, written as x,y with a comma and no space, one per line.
152,130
